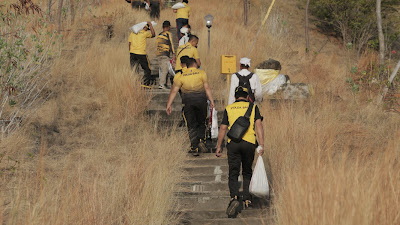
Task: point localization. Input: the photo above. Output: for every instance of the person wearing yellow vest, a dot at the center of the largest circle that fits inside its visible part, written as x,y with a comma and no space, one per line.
240,153
182,16
195,92
189,49
137,49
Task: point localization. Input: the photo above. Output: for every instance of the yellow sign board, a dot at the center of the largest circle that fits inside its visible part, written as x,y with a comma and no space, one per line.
228,64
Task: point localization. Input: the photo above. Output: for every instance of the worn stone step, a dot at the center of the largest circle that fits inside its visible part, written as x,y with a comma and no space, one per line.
202,187
201,202
213,161
195,193
207,170
193,215
228,221
206,178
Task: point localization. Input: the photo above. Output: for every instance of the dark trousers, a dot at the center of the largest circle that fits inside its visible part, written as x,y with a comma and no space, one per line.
144,63
195,114
155,9
179,24
241,153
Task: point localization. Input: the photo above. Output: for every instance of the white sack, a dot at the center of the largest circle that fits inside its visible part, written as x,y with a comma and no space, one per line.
273,86
171,70
138,27
178,5
214,124
259,181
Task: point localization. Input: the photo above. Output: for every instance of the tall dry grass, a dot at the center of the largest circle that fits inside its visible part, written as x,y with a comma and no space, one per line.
87,157
333,163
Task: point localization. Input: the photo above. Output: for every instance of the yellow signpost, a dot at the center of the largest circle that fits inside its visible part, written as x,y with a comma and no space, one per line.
228,66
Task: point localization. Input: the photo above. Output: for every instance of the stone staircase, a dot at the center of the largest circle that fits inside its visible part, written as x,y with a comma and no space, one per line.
204,195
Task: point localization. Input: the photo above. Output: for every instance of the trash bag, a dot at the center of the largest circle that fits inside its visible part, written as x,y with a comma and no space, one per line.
178,5
214,124
259,181
138,27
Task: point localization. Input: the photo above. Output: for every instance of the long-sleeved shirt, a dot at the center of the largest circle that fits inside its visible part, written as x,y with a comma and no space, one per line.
255,85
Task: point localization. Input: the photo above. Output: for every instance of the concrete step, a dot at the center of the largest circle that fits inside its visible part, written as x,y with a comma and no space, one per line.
206,178
203,202
205,187
207,170
206,160
193,215
228,221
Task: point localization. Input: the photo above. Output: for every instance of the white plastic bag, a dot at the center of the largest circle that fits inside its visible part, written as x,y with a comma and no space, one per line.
178,5
138,27
259,181
214,124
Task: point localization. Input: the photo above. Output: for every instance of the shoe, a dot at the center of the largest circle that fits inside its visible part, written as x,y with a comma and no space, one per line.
231,211
195,152
146,86
248,204
202,147
166,86
161,86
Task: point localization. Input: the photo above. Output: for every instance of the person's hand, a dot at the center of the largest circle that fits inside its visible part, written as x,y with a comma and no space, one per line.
212,105
149,23
260,150
169,110
218,152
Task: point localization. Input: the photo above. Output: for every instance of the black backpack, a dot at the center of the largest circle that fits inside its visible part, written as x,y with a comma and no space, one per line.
244,81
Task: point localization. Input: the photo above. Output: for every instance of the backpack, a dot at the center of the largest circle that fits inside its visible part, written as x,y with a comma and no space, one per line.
244,81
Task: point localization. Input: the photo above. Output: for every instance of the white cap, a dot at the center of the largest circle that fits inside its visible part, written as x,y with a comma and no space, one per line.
184,30
245,61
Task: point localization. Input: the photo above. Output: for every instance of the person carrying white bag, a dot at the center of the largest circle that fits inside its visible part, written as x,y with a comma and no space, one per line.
244,121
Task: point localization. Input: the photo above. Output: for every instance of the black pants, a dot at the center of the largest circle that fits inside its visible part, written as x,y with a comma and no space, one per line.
155,9
179,24
195,114
241,153
144,63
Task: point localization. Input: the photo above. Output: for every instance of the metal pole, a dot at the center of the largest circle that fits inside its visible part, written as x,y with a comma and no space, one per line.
245,12
208,39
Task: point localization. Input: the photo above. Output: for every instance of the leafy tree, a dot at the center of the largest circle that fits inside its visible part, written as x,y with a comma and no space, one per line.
25,46
353,20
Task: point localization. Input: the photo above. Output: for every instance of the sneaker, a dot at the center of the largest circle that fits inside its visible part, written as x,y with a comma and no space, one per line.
195,152
247,204
146,86
161,86
166,86
231,211
202,147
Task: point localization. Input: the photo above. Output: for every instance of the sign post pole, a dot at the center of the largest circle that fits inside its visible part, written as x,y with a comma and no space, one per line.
228,66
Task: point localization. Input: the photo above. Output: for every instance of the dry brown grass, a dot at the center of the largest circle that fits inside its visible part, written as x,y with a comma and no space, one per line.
87,157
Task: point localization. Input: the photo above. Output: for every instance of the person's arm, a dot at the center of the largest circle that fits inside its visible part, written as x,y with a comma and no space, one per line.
153,33
258,89
198,62
260,135
171,98
129,46
234,84
221,135
209,95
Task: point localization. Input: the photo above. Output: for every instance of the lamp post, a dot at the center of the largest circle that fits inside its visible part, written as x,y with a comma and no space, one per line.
209,20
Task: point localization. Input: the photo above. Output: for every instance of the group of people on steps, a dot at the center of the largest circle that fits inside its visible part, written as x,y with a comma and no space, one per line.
192,84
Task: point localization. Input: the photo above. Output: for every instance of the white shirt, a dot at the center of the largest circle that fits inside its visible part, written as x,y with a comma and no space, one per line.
183,40
255,85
